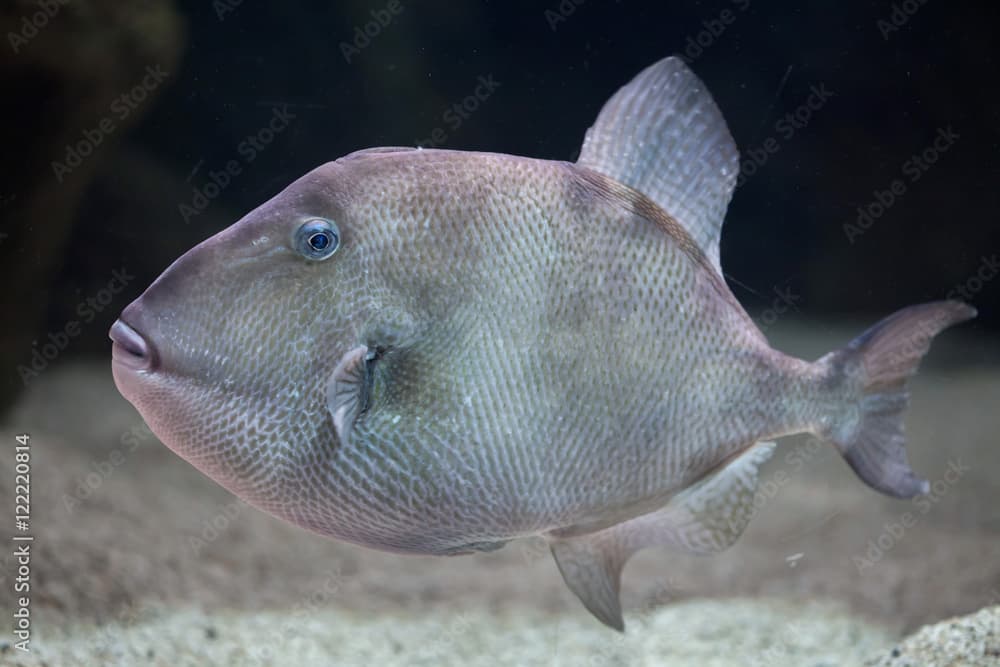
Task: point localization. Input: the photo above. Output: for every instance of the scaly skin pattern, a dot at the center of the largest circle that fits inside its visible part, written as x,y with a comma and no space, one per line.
555,353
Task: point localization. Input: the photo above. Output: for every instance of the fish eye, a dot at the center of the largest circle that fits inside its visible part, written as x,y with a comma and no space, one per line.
317,239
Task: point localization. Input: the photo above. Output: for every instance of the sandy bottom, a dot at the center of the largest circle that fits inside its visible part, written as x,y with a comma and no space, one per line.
691,633
139,559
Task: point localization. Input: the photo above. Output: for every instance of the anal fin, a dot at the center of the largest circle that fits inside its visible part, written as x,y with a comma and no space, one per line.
705,518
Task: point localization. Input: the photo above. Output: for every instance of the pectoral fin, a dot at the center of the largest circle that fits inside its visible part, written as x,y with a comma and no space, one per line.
349,391
706,518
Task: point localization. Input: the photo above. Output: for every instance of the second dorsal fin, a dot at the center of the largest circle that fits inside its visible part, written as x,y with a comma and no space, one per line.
705,518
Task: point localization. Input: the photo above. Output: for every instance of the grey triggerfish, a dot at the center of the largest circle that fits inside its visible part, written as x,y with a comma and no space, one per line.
440,351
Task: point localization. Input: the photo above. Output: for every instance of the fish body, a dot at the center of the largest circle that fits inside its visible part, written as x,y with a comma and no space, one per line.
436,352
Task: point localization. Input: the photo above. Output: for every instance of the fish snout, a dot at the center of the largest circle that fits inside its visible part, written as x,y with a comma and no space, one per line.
130,348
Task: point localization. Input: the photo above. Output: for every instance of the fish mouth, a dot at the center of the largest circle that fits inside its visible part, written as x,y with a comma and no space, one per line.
129,348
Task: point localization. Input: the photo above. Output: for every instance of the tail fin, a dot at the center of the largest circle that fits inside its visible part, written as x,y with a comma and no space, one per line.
874,367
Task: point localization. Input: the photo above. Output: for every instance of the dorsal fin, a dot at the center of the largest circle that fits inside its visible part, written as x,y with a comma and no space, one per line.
663,135
364,152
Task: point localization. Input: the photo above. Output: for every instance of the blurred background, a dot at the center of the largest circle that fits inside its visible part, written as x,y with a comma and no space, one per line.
118,114
131,131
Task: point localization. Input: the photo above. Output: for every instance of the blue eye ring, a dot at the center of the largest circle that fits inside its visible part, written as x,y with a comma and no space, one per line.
317,239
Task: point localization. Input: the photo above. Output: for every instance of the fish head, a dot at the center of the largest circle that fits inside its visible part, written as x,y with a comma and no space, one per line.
227,354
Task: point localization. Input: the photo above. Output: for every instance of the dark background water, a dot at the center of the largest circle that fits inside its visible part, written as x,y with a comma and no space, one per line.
869,133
